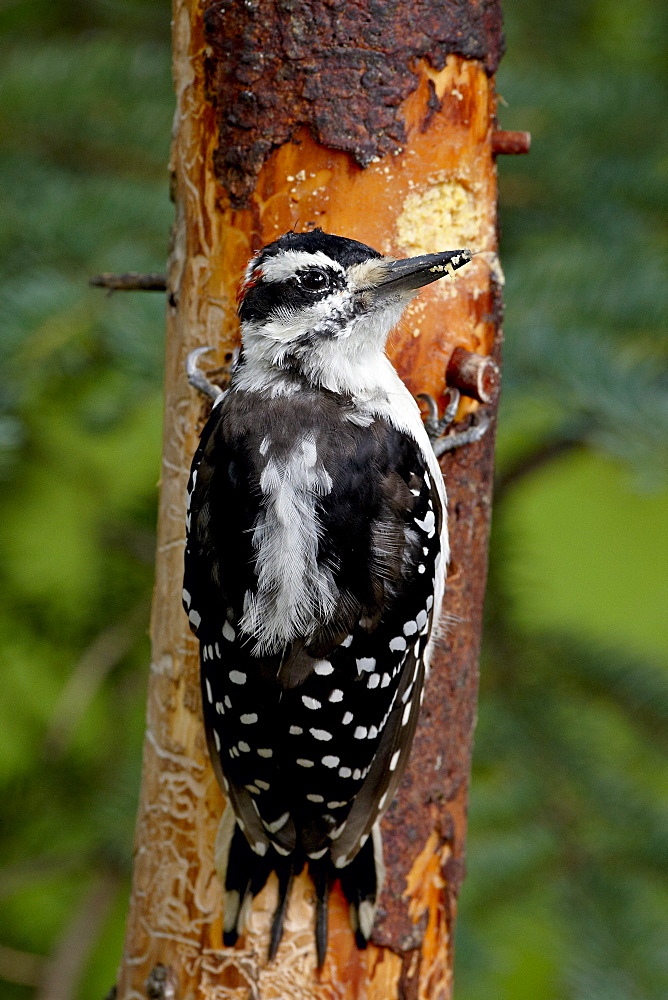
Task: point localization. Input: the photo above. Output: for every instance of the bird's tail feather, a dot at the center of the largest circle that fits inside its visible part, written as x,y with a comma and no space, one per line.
286,874
323,876
361,882
244,874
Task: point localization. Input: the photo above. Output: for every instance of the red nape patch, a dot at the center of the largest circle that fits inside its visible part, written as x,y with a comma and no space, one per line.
251,281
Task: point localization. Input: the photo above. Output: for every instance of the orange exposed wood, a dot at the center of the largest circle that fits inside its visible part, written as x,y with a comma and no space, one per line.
438,193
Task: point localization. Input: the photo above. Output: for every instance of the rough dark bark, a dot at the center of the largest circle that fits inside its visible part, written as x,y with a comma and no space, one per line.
341,69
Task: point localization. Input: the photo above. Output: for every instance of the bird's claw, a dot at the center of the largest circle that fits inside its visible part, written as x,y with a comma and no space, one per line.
198,379
436,428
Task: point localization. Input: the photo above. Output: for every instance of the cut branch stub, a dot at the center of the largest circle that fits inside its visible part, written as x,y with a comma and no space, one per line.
473,374
505,142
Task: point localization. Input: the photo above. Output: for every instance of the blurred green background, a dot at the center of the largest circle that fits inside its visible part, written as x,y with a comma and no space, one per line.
567,892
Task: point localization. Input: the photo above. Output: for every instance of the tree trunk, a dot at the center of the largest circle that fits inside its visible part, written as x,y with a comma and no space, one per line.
373,120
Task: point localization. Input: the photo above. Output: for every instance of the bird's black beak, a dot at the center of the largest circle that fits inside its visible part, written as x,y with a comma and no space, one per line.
414,272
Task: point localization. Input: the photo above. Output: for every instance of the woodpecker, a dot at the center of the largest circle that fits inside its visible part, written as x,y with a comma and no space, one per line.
315,564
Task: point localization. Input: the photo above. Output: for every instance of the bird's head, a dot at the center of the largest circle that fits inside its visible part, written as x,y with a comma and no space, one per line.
309,301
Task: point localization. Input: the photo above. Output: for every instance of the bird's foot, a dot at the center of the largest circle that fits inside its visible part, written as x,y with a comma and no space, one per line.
436,427
198,379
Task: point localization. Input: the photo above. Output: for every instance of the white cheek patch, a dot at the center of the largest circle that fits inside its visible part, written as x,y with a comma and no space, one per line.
287,325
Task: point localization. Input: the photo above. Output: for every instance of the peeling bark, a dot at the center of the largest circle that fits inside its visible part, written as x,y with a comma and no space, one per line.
435,190
342,70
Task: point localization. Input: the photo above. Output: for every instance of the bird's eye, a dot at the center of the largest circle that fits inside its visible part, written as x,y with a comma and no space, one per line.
314,280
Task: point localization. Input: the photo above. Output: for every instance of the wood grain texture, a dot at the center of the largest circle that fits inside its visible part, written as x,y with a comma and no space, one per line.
438,193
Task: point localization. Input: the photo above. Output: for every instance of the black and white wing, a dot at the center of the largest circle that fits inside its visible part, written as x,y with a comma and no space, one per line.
312,565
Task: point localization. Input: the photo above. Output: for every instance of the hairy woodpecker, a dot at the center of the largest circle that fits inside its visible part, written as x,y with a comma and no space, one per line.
314,572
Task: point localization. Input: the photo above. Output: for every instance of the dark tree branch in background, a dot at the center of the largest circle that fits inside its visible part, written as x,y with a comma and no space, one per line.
96,662
21,966
531,461
130,281
62,972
